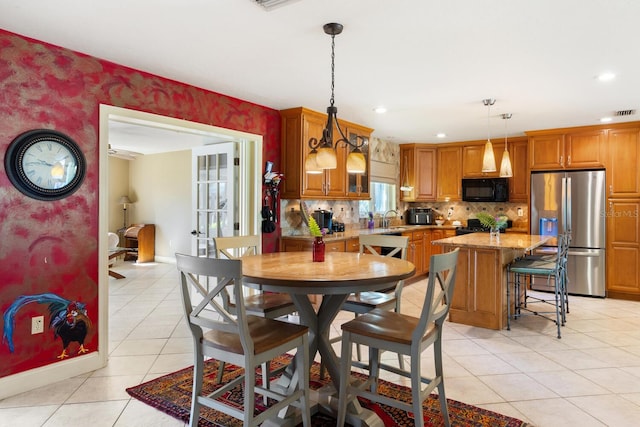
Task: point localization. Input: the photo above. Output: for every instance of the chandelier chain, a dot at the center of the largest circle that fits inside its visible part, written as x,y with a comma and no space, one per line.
333,68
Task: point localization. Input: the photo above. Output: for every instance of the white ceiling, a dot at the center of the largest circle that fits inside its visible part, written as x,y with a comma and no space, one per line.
430,62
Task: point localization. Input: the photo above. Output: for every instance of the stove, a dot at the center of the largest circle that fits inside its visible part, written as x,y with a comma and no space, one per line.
475,226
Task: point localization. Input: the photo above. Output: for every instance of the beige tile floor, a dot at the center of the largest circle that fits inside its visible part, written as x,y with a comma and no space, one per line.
590,377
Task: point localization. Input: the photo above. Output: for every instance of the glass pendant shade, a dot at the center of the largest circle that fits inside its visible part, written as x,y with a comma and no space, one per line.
505,165
311,165
326,158
488,159
356,163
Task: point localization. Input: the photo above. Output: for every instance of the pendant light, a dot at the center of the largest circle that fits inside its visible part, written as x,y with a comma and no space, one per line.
505,165
406,187
488,159
324,151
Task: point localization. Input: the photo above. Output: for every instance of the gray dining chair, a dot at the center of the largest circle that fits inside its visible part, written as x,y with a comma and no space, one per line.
553,267
262,304
382,330
387,299
240,338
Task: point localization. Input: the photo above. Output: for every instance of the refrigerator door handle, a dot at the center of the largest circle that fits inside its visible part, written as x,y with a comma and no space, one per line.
568,207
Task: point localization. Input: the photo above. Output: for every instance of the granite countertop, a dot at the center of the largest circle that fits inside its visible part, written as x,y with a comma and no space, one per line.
355,232
525,242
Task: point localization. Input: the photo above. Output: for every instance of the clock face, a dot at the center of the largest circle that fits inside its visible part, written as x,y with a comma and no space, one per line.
45,164
49,165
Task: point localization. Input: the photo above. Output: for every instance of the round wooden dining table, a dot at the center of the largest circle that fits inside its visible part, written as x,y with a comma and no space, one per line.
341,274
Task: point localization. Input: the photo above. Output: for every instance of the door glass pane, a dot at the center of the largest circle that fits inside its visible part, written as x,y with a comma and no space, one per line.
222,169
212,168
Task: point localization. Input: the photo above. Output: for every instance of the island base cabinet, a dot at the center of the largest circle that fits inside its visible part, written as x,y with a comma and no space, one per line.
479,297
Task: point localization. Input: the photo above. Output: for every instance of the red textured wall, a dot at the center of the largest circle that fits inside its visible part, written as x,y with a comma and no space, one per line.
52,246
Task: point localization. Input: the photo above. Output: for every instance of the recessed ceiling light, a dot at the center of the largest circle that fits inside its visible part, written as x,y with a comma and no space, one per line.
605,119
441,135
380,110
606,77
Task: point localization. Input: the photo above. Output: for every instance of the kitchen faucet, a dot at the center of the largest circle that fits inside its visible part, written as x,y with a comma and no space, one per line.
385,221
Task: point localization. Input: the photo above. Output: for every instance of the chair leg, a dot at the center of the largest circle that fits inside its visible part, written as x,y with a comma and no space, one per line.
198,374
437,355
509,300
345,367
416,387
302,357
249,393
266,379
220,371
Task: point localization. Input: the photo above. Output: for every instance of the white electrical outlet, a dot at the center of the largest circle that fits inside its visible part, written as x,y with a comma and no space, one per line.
37,325
520,212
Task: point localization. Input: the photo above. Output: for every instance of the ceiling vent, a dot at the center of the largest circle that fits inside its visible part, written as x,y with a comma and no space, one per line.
622,113
273,4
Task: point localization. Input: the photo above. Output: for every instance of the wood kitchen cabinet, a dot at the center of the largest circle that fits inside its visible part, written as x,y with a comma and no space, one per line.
479,298
519,182
623,159
415,254
449,173
298,126
358,184
418,169
578,148
623,249
472,155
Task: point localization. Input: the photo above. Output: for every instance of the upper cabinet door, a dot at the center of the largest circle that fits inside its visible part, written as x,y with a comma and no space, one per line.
585,149
418,170
519,182
623,178
449,173
358,184
472,156
546,152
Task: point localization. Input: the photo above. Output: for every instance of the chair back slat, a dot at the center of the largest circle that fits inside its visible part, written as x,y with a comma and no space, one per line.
372,242
437,302
235,247
225,273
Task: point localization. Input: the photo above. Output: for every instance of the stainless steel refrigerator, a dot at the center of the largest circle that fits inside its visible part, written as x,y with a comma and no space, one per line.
575,202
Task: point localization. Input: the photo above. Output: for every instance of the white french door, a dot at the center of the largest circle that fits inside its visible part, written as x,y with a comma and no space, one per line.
215,195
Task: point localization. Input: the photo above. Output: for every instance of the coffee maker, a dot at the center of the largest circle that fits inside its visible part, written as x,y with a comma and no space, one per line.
324,219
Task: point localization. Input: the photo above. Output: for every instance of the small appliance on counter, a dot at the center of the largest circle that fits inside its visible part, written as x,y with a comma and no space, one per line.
338,227
324,219
420,216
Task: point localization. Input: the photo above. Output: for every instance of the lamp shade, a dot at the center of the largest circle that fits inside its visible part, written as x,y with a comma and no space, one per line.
326,158
356,163
505,165
124,200
311,165
488,159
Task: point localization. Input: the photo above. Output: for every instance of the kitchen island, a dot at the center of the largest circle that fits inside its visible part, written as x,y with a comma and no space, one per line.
480,293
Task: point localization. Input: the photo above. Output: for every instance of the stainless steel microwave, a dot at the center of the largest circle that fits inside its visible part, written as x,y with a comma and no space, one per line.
485,190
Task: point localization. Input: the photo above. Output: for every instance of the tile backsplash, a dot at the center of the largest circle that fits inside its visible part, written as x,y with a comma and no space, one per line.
346,211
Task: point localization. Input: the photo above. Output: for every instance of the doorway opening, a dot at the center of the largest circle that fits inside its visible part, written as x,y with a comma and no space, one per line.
159,141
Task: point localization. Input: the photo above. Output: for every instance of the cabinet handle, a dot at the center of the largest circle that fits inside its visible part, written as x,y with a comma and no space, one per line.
568,160
561,160
610,188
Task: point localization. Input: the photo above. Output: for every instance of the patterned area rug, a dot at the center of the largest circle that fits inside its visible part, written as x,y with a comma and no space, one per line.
172,394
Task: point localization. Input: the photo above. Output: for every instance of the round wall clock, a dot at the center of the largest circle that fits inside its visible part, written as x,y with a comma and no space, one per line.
45,164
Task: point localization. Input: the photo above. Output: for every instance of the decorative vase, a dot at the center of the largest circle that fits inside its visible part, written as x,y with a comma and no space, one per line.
371,224
318,250
494,233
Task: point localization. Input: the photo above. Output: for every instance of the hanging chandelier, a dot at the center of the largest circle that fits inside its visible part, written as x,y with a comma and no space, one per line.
488,159
322,153
505,164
